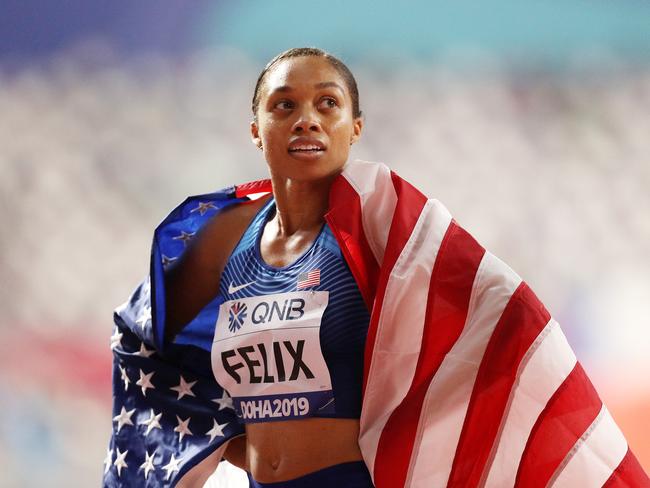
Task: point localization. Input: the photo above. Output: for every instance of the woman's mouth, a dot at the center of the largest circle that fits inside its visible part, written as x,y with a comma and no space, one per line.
305,149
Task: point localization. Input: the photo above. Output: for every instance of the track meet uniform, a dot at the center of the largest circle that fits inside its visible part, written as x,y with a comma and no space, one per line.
289,340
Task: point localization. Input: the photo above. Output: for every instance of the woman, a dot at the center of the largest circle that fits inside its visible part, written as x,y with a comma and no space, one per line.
277,254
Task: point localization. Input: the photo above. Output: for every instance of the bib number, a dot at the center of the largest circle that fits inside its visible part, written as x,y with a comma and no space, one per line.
266,354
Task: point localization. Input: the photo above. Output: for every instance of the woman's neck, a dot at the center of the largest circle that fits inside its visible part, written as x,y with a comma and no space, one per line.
300,205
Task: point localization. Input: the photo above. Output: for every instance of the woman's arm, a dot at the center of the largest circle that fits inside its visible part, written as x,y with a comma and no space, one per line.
193,280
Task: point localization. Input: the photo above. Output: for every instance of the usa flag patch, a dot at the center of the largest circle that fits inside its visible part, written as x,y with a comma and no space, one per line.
311,278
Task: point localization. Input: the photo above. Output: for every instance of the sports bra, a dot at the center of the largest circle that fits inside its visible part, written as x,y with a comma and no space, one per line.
289,341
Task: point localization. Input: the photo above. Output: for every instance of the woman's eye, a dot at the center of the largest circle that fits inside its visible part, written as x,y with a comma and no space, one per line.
284,105
327,102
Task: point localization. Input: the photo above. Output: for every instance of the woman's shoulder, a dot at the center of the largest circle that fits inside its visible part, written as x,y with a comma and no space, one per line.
193,280
231,222
218,237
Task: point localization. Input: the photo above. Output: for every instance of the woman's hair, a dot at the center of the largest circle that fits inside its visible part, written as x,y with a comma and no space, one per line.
296,52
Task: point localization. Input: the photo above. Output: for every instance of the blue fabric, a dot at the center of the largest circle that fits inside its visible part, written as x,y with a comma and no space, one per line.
348,475
166,417
344,324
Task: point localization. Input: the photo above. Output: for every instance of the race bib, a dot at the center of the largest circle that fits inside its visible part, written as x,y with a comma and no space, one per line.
266,353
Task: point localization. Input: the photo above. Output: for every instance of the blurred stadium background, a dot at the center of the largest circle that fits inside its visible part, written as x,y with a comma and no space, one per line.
531,121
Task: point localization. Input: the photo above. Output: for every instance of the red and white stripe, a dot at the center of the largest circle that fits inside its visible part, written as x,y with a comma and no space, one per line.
468,380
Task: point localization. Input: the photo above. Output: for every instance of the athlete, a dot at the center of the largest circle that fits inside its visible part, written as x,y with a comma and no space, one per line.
290,335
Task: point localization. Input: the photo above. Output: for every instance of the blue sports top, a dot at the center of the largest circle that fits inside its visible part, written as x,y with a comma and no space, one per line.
289,341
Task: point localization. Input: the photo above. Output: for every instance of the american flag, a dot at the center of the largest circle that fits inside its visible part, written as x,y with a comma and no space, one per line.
468,380
170,417
310,278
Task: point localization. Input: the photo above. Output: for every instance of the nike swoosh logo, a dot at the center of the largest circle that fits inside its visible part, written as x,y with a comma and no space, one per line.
234,289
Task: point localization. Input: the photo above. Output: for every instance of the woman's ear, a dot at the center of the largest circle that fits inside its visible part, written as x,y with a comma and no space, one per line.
356,130
255,134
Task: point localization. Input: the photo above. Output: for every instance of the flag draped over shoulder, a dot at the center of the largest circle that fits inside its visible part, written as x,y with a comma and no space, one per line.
468,380
170,417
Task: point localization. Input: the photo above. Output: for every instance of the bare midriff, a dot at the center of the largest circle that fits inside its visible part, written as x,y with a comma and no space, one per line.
280,451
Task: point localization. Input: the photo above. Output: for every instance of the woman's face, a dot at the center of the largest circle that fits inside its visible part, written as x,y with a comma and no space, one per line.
304,120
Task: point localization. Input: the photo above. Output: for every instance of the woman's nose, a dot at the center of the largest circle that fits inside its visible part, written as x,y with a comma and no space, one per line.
306,122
